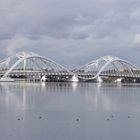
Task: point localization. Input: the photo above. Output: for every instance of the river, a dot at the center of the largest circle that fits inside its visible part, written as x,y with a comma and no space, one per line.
69,111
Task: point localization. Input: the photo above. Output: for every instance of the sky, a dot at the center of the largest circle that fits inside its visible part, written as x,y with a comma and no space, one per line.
71,32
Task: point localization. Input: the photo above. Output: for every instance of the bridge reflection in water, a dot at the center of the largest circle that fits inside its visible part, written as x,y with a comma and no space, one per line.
24,95
31,66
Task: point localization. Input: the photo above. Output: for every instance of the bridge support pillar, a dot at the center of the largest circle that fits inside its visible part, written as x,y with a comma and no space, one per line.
99,79
74,78
119,80
43,79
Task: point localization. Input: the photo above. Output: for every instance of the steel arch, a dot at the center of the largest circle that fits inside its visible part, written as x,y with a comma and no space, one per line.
107,60
29,55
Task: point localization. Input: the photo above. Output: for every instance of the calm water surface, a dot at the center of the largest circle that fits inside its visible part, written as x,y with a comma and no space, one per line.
69,111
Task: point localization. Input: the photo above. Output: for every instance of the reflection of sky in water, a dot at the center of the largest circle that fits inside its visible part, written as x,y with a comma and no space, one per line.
60,104
91,96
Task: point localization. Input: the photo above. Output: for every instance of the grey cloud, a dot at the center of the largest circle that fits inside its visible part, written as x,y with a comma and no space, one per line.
72,32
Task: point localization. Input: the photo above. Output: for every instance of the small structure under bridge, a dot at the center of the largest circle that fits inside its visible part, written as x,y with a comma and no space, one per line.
33,67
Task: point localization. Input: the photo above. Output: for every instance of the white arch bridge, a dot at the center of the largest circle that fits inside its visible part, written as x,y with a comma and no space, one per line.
28,65
108,68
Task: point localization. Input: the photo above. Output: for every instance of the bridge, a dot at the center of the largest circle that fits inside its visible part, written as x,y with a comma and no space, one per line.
109,68
31,66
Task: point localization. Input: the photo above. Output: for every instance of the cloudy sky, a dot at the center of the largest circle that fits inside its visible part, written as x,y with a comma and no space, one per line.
71,32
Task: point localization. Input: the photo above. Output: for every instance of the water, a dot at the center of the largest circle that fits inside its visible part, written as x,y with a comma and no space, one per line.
69,111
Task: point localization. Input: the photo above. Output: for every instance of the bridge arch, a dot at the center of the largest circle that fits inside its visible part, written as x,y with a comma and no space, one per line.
99,67
25,61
